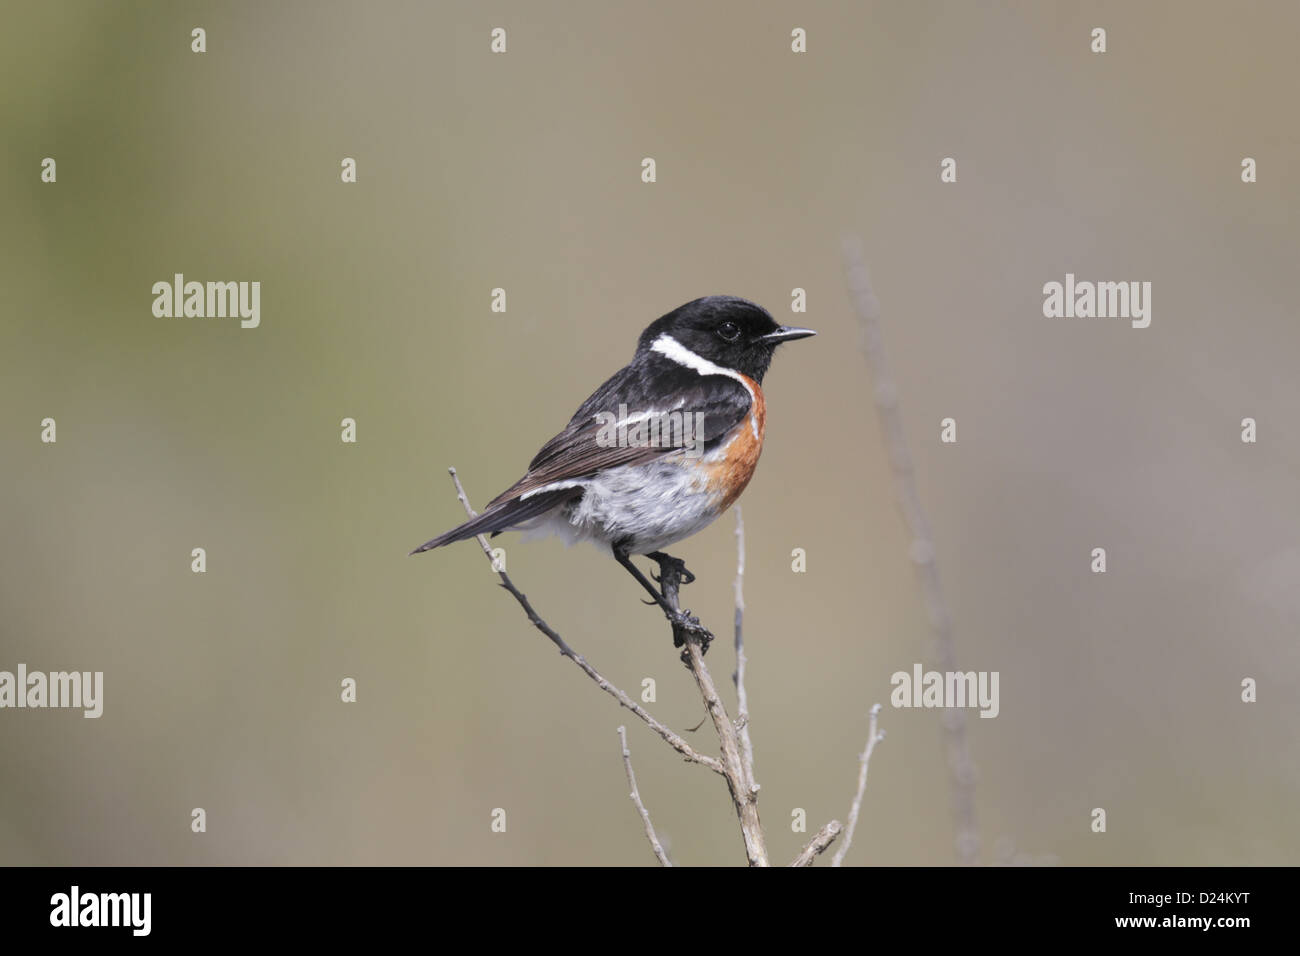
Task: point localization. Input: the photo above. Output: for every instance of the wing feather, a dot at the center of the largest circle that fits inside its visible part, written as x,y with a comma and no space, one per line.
578,452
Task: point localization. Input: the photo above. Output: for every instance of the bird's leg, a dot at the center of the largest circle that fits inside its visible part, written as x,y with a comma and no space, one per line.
623,558
670,581
681,620
677,563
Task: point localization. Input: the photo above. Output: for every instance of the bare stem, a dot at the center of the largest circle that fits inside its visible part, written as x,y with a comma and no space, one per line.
636,801
822,839
874,736
674,740
738,677
961,768
733,767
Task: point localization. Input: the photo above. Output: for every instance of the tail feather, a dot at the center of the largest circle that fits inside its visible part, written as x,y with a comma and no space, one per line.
502,517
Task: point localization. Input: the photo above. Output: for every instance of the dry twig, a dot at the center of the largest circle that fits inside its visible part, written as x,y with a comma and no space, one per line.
874,736
822,839
674,740
636,800
738,676
733,767
960,766
737,763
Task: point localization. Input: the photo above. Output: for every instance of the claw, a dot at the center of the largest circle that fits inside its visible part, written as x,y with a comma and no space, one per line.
686,621
677,564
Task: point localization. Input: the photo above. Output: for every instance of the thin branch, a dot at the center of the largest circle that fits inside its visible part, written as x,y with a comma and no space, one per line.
636,800
822,839
738,677
960,766
674,740
744,798
874,736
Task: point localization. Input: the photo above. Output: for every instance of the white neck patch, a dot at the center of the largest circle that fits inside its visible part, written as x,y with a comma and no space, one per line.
669,347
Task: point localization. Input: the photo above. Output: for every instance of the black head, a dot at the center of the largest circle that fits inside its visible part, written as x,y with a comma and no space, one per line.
728,331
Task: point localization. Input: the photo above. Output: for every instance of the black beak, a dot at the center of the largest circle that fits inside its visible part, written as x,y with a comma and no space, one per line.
786,333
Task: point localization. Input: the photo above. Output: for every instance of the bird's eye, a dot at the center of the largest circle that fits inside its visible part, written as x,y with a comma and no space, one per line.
729,331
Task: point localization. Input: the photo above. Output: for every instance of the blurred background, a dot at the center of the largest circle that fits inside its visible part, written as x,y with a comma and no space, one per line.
522,171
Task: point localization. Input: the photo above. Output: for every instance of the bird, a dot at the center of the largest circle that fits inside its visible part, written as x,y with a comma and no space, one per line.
659,451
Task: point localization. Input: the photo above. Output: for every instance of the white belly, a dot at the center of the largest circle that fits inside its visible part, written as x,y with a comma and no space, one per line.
653,505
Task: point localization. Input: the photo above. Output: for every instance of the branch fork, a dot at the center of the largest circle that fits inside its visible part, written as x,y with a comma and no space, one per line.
736,763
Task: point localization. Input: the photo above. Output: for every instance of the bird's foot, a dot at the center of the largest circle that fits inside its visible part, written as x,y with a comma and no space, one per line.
677,564
684,622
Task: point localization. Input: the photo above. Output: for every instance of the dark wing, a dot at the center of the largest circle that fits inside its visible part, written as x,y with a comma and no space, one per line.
500,517
577,452
581,449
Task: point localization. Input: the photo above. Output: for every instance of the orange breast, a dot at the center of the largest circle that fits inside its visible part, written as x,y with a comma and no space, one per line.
729,475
